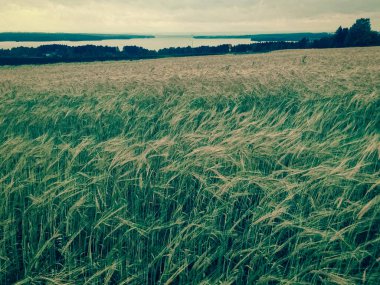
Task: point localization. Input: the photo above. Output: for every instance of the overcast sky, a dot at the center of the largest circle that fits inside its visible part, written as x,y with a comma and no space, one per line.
184,16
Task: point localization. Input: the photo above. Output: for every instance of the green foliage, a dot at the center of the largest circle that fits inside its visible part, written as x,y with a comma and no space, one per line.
359,35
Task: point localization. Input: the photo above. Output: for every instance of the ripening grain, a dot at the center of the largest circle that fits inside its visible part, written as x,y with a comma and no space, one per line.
251,169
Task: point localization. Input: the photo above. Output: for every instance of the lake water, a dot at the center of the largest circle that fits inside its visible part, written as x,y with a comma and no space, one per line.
150,43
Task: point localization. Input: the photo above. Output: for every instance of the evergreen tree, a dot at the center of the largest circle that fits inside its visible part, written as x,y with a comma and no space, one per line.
340,37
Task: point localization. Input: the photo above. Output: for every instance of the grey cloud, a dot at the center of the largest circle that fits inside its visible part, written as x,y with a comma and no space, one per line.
186,16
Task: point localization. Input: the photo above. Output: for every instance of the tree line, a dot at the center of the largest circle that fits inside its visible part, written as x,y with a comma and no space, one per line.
359,34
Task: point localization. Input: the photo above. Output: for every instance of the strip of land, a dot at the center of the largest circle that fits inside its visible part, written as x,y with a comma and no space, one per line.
269,37
53,37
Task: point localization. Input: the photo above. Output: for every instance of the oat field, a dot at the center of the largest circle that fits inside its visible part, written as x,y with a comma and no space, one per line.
236,169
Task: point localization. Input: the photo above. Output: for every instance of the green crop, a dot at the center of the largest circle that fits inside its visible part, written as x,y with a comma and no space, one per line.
254,169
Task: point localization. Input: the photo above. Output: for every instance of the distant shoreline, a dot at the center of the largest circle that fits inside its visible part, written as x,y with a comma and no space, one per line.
71,37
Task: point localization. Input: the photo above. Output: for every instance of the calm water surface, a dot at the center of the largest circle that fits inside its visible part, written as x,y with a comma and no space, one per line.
152,44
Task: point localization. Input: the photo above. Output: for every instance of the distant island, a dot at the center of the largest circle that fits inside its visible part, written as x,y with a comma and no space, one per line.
291,37
53,37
